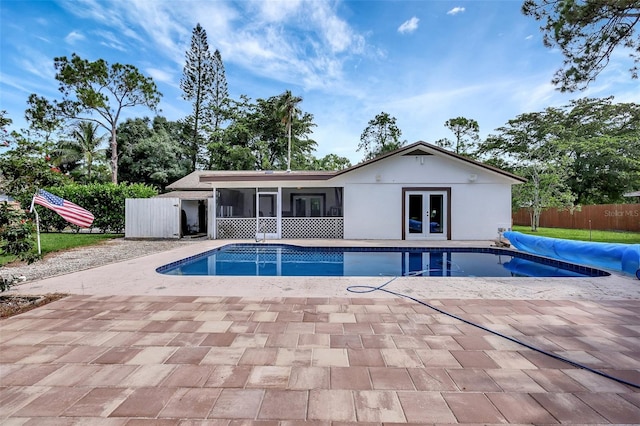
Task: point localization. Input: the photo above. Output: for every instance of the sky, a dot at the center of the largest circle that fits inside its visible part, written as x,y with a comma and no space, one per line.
422,62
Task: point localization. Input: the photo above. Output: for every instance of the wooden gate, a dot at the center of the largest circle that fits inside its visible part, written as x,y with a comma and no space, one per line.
152,218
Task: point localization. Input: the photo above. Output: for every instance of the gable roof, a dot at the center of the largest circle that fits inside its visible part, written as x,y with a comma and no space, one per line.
190,182
200,179
424,148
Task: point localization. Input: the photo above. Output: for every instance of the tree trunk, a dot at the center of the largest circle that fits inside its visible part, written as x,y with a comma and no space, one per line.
531,221
289,145
536,219
114,156
196,144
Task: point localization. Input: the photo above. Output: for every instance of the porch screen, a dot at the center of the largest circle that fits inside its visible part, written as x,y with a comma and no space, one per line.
237,203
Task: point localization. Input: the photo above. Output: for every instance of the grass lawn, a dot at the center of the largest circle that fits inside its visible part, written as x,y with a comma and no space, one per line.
55,241
583,235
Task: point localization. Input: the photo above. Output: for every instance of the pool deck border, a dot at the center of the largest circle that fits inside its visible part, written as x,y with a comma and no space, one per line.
139,277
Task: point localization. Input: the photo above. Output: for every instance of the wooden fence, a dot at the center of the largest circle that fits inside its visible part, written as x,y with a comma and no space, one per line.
606,217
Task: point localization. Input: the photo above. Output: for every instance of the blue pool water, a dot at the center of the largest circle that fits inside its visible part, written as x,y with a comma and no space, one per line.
288,260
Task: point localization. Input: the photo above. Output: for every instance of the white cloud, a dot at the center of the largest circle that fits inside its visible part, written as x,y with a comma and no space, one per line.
455,10
335,31
438,99
113,14
110,40
277,11
529,37
535,96
155,24
409,26
256,49
91,9
36,63
217,18
308,47
161,75
161,24
14,83
74,36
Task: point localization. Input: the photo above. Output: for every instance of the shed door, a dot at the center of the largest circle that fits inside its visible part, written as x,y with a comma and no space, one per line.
425,215
152,218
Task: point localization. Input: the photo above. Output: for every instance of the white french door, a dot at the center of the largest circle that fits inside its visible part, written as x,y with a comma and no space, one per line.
426,215
308,205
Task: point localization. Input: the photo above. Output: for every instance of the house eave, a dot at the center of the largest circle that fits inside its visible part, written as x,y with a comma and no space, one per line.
267,177
187,195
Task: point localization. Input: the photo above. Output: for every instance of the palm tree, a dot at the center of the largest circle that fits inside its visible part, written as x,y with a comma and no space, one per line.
287,110
85,146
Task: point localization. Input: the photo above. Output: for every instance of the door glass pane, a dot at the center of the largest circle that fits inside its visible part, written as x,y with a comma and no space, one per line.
316,207
415,213
436,224
300,207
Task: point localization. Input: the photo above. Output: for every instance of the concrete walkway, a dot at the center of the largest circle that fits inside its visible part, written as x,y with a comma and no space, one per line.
131,347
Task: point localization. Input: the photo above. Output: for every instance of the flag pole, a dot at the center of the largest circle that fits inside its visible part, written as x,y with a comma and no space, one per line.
37,222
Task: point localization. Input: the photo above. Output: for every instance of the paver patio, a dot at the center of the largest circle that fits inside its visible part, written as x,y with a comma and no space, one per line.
99,359
151,359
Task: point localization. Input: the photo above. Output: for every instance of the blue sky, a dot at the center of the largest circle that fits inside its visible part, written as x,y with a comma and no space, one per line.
422,62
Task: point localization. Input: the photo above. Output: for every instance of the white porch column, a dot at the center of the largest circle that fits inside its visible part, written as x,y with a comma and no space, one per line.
213,214
279,209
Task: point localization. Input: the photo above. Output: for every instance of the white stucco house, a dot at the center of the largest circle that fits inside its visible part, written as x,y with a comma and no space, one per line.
419,191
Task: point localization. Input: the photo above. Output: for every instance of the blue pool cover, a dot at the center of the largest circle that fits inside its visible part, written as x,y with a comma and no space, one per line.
618,257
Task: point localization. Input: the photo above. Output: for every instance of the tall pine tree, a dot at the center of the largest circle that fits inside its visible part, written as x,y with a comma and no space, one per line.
197,83
219,107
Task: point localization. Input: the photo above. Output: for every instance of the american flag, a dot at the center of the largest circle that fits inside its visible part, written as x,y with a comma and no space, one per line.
69,211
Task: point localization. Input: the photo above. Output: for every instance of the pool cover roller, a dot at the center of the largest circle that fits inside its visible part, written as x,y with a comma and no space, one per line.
618,257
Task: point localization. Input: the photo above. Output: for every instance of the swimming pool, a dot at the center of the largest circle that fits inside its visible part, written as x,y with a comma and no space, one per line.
289,260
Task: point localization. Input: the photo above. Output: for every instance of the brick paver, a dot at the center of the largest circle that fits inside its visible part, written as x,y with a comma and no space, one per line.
229,360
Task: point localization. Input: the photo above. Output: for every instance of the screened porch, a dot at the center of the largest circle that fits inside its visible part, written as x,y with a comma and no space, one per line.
278,212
